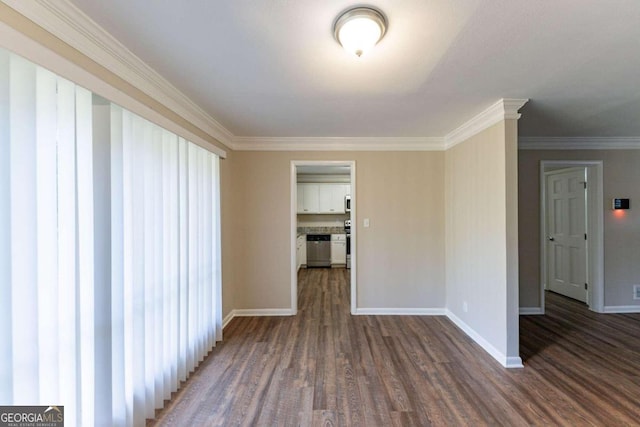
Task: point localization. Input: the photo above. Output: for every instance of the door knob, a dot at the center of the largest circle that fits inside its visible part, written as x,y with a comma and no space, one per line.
551,239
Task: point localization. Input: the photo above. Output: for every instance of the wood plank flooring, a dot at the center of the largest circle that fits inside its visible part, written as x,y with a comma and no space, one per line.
326,367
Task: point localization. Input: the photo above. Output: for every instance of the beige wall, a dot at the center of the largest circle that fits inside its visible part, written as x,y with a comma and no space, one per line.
400,256
481,235
621,234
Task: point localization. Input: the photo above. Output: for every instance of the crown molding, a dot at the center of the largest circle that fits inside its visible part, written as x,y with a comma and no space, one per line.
65,21
502,110
337,144
578,143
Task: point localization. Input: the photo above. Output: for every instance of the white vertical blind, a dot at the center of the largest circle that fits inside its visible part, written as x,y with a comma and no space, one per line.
67,252
169,305
6,314
141,281
102,237
47,256
120,415
216,252
47,246
85,286
22,202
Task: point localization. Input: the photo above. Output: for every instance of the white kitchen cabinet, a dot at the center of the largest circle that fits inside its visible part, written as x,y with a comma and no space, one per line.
326,199
308,198
333,198
322,198
300,199
301,251
338,249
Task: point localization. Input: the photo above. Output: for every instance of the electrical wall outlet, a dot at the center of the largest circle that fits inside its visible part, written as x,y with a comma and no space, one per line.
636,291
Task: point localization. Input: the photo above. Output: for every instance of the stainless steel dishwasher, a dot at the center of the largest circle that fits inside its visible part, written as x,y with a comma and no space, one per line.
318,250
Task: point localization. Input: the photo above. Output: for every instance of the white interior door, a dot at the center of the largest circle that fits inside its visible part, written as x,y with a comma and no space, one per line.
566,233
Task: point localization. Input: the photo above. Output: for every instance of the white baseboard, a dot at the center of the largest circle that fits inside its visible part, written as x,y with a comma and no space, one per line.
621,309
263,312
228,318
401,311
513,362
528,311
507,362
260,312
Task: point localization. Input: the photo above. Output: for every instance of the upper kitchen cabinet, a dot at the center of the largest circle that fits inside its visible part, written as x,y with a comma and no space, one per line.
308,198
332,198
322,198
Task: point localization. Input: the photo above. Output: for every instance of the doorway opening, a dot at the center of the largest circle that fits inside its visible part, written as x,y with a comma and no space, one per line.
323,202
571,231
566,219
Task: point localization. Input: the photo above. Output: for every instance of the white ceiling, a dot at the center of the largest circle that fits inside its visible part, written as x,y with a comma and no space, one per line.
271,68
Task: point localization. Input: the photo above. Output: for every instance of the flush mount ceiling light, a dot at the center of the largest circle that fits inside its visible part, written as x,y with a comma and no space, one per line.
359,29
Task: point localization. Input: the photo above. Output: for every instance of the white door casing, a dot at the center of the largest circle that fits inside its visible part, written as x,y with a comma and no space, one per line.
566,232
295,194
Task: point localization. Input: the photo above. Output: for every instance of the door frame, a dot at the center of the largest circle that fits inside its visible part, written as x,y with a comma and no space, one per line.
294,226
595,229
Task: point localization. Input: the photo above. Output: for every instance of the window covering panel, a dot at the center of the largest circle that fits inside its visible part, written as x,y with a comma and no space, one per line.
109,252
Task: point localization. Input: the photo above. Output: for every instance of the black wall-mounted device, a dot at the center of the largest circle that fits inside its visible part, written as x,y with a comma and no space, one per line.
620,204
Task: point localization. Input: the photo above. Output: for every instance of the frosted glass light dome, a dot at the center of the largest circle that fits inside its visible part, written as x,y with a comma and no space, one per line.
358,30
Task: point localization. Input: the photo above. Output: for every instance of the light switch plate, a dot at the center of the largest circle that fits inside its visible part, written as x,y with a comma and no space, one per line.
366,222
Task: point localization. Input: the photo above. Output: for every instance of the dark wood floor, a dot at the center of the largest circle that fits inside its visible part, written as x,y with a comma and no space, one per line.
326,367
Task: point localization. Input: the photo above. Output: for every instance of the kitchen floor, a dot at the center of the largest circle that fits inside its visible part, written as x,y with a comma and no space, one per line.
331,285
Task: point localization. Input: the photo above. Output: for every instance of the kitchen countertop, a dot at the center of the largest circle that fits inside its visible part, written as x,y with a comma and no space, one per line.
320,230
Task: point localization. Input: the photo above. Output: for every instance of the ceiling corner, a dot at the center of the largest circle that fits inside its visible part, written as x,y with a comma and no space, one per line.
68,23
503,109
